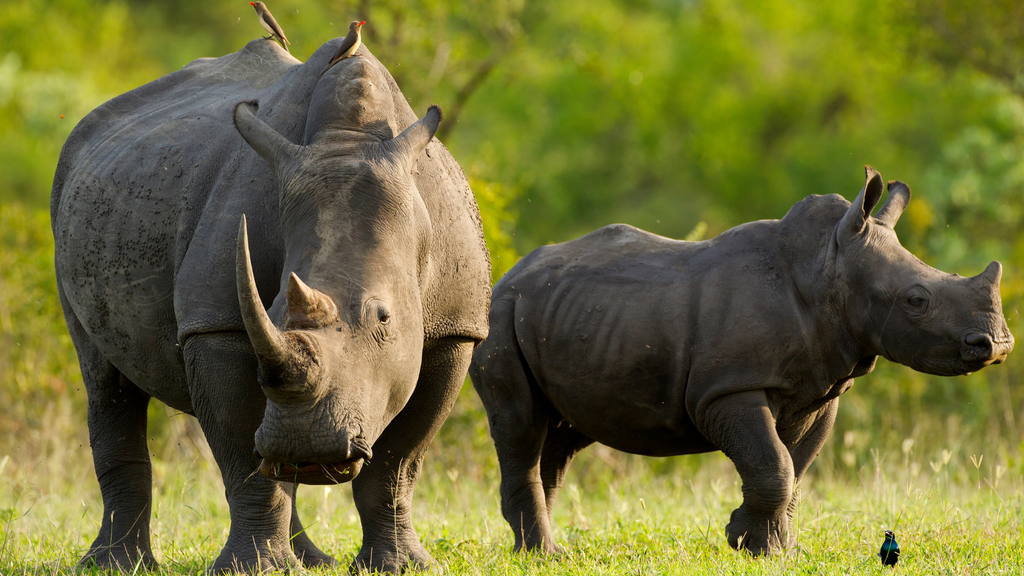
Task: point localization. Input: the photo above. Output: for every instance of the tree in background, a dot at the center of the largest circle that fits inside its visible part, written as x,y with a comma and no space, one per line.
675,116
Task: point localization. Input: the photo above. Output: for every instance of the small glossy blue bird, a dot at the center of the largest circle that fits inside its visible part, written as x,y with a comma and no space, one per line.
890,552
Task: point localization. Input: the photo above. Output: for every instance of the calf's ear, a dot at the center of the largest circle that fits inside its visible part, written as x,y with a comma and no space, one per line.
899,197
277,150
857,215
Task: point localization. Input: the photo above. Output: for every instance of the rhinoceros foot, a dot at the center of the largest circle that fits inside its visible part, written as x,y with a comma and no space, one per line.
312,472
388,562
757,534
309,554
121,558
270,555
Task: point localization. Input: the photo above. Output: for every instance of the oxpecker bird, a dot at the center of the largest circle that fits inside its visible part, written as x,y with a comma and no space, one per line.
348,46
890,552
270,25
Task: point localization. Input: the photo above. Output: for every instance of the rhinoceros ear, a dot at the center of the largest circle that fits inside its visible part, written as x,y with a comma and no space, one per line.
860,210
410,143
899,197
267,142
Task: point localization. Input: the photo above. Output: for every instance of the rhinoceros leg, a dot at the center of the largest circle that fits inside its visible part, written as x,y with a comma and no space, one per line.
804,450
305,550
743,427
229,404
561,444
383,489
117,434
519,415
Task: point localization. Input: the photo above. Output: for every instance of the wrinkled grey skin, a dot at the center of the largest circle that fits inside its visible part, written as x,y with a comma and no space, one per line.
363,241
742,343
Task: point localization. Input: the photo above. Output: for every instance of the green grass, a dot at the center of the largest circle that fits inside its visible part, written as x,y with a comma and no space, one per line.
617,514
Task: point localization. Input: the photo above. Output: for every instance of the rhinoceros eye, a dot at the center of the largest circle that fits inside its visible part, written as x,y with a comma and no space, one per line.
916,300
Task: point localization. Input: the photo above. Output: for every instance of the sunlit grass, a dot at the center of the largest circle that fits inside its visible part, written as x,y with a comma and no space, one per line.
616,514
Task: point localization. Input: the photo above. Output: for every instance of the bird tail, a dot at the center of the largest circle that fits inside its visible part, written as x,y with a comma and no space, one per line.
328,67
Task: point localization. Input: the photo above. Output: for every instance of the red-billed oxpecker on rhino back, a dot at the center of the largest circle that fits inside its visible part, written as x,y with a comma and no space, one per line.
294,260
742,343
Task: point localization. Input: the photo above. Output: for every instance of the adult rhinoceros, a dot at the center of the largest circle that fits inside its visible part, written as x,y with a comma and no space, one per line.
742,343
361,236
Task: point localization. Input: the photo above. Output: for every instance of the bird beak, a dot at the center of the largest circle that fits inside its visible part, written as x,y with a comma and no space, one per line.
363,22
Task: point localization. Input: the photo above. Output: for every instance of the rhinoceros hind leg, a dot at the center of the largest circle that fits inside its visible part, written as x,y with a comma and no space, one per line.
519,416
117,434
561,444
305,550
383,489
229,404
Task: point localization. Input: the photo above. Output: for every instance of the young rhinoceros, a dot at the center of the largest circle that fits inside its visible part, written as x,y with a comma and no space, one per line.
742,343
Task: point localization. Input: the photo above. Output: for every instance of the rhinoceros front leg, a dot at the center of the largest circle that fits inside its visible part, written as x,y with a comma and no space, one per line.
229,405
742,426
805,449
383,489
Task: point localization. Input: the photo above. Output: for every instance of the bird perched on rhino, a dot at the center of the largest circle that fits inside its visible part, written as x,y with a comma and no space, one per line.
890,552
270,25
348,46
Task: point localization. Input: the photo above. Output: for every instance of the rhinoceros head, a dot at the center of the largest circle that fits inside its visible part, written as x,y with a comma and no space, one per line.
905,310
344,356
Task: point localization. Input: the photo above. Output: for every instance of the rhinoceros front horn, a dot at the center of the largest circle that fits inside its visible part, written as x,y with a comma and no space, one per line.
269,343
992,274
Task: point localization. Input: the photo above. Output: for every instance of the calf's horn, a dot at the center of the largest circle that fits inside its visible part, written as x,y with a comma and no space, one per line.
992,274
270,344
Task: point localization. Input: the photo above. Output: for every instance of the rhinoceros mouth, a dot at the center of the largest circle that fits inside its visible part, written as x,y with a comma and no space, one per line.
312,472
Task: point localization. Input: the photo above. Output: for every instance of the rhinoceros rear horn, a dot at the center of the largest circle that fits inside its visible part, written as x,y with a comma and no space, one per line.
308,307
415,138
268,342
860,210
267,142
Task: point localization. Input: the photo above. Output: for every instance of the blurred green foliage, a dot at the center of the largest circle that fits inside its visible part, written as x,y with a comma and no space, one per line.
683,117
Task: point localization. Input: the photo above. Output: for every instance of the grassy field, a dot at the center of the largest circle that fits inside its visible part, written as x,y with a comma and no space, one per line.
617,514
939,459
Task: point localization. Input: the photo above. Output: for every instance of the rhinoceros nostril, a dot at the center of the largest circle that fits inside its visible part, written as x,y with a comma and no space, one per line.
980,340
360,448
